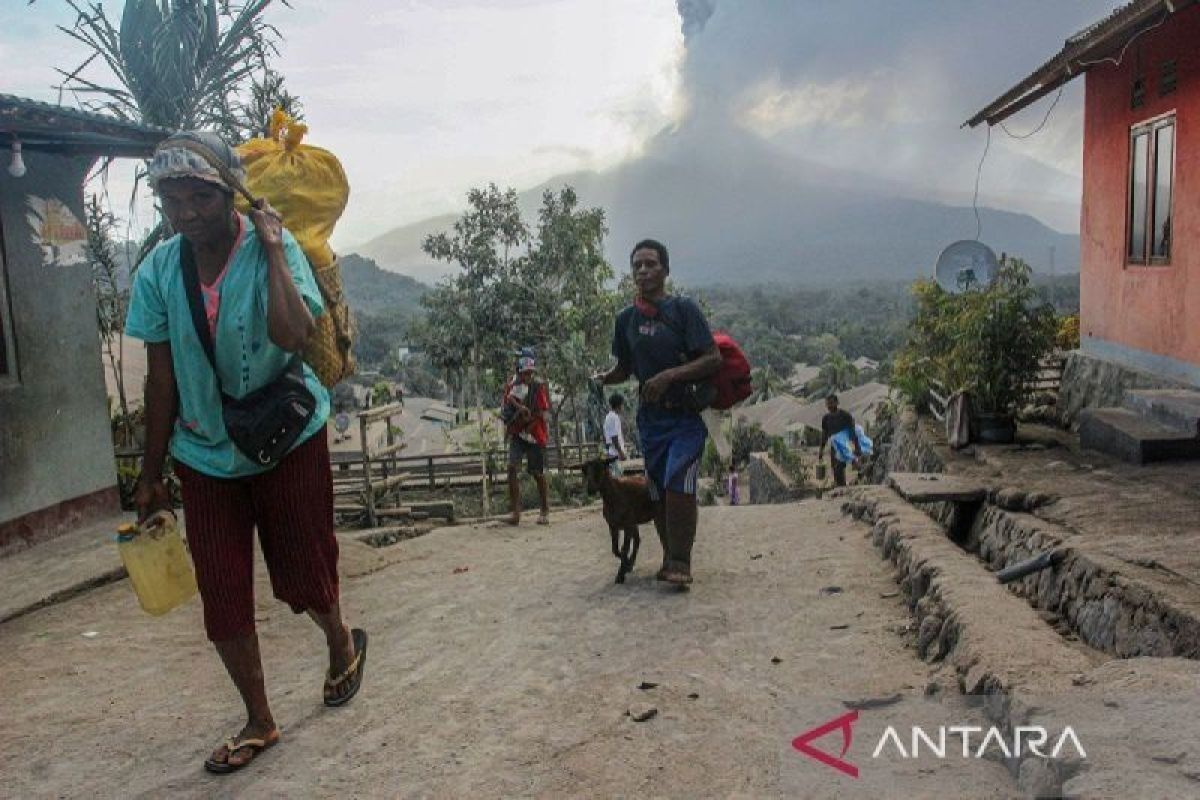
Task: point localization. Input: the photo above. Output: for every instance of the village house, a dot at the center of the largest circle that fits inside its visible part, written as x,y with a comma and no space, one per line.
1139,226
56,449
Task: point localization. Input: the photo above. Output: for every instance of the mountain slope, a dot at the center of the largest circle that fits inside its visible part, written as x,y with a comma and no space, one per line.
757,215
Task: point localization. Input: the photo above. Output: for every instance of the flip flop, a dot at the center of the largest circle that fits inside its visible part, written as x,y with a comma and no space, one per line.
232,745
677,578
353,673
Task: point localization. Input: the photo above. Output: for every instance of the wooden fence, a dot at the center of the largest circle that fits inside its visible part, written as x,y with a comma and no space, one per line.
1047,380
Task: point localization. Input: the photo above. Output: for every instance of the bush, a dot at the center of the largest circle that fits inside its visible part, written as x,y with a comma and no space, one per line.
748,438
1067,337
788,460
988,341
710,461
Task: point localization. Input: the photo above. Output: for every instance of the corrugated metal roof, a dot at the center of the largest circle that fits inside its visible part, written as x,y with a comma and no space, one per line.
53,128
1102,39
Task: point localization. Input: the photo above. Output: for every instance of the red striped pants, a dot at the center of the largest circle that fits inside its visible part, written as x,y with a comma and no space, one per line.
292,508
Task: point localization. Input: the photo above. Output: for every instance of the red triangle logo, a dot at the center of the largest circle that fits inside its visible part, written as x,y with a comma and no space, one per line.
844,723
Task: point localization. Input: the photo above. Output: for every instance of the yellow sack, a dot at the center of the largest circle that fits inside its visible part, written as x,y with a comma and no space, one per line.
308,187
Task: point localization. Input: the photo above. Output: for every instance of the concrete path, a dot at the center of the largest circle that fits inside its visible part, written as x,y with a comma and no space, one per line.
504,662
71,563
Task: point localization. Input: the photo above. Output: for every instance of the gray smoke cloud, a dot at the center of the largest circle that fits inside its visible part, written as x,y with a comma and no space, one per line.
694,14
880,88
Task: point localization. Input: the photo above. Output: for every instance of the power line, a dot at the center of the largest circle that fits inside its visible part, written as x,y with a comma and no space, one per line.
978,175
1041,125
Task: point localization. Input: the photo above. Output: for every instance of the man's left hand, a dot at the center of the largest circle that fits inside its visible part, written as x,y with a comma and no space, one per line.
654,389
268,224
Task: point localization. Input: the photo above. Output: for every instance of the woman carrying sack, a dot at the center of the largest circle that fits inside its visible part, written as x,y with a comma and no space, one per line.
224,307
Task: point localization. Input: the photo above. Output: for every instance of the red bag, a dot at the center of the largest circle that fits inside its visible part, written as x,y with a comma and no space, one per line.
732,381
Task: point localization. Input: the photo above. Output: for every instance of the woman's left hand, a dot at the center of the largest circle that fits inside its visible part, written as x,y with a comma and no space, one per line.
268,224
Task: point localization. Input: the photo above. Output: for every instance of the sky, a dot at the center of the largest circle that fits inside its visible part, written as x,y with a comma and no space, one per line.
423,99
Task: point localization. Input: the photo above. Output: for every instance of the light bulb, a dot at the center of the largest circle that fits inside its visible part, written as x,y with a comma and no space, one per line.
17,167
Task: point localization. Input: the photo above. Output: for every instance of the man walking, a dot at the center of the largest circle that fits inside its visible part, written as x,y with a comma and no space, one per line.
527,401
614,436
665,342
834,422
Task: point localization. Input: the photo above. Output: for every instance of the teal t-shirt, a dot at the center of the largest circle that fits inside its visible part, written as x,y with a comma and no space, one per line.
246,356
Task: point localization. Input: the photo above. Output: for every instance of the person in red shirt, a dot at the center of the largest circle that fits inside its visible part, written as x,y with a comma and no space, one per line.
527,436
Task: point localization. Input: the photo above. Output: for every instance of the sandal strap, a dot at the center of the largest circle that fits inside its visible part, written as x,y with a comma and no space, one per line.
233,744
333,683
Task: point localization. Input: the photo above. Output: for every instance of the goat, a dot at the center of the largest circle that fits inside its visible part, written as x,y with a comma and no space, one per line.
627,504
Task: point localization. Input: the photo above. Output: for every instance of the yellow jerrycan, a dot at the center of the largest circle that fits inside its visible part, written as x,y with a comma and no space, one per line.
157,561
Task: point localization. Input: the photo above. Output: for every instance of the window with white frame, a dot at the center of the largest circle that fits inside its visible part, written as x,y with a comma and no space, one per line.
1151,182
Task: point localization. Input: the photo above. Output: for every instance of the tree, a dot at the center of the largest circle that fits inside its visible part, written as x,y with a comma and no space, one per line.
177,64
566,306
766,383
988,341
469,313
249,117
837,374
112,301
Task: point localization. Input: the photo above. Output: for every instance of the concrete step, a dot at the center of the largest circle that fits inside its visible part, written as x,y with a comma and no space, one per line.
1134,438
1175,408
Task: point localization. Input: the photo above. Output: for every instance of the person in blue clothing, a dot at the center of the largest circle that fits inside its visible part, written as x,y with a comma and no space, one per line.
834,422
258,298
665,342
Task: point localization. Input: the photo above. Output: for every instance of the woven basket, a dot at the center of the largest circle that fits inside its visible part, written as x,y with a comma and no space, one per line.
329,350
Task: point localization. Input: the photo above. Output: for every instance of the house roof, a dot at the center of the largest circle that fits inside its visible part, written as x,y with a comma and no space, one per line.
802,374
784,413
1101,41
70,131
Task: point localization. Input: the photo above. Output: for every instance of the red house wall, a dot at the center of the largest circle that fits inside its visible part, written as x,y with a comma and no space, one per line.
1147,317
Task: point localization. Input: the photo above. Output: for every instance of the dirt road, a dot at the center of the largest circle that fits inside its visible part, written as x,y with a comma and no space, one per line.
511,678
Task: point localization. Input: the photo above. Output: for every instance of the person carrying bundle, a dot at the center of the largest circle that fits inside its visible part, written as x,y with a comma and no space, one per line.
225,307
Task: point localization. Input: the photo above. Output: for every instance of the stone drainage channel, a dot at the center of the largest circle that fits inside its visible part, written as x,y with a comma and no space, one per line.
1081,595
953,601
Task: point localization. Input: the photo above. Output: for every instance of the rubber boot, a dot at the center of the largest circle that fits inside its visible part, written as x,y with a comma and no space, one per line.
681,531
660,527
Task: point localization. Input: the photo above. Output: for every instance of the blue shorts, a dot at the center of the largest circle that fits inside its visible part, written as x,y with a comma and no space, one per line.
672,445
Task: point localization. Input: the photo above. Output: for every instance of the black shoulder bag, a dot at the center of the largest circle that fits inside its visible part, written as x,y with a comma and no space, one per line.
266,422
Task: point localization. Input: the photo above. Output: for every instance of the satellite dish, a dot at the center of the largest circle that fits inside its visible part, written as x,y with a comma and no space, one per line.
966,265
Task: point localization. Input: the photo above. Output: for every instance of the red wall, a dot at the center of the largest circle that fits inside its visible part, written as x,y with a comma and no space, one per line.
1152,310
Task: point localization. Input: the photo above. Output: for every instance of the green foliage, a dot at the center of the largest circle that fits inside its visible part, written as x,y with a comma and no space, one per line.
469,319
711,465
249,116
987,341
381,394
748,438
548,291
788,460
178,64
112,300
1067,335
370,289
780,326
837,374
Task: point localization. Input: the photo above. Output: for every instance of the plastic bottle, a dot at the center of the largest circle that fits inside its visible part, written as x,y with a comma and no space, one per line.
157,561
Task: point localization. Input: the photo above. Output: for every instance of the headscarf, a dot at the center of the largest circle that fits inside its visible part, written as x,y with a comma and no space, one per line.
173,161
